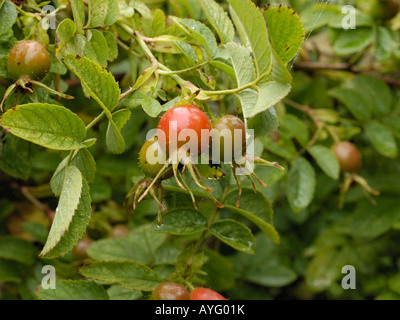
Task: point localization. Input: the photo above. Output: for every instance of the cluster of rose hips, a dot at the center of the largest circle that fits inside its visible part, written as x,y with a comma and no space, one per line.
220,140
175,291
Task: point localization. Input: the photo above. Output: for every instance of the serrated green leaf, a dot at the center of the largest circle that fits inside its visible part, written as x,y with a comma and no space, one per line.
154,26
242,63
77,227
182,221
286,31
381,138
140,245
269,93
98,82
50,126
200,33
102,13
326,160
121,117
152,107
133,100
8,16
264,226
264,123
253,32
96,47
81,159
114,140
129,275
117,292
234,234
74,290
65,31
279,72
187,50
78,10
219,19
257,202
112,46
17,250
301,185
67,42
68,204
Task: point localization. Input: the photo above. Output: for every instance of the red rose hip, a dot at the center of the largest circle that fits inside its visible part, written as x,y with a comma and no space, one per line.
181,125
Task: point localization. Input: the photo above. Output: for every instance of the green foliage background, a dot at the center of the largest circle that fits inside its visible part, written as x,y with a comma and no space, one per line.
289,240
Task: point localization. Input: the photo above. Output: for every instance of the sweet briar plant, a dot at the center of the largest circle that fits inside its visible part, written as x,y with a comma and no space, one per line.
72,133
